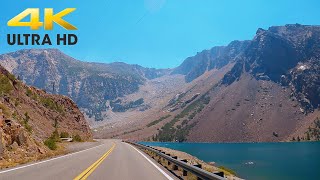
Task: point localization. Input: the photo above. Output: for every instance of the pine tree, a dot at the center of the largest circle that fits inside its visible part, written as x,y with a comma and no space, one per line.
53,87
308,136
298,139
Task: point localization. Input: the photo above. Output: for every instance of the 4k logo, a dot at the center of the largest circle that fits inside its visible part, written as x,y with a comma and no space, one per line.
49,19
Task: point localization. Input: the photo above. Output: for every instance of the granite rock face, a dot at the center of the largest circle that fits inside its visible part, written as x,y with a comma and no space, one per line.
215,58
289,55
90,85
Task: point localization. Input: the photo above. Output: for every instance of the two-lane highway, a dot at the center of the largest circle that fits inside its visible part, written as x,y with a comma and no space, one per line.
112,159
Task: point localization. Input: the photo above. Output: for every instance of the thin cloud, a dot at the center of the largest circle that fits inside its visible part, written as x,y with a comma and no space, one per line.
154,5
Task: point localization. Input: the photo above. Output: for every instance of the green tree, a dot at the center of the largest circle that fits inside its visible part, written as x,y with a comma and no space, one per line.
6,86
77,138
308,136
27,117
51,144
55,124
64,134
55,135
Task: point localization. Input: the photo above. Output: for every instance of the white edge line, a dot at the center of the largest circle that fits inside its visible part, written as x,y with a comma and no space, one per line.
159,169
41,162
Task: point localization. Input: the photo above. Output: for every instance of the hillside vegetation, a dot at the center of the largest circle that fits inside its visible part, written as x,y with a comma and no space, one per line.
31,121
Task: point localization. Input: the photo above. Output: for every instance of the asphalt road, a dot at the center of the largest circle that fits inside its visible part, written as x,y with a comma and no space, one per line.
112,159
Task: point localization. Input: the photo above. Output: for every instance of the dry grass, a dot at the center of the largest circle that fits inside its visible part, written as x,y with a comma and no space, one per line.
8,162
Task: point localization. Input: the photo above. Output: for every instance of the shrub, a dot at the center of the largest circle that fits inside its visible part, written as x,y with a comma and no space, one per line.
16,102
77,138
5,109
116,107
55,135
49,103
29,92
51,144
5,85
227,170
64,134
15,115
313,132
11,77
26,122
27,117
28,127
158,120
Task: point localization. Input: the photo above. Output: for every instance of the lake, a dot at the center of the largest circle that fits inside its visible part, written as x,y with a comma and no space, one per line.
255,161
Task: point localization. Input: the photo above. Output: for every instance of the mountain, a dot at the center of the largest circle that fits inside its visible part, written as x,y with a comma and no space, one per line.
272,92
264,89
29,116
90,85
288,55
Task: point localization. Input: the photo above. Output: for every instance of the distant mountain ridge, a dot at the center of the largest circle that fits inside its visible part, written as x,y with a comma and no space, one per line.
90,85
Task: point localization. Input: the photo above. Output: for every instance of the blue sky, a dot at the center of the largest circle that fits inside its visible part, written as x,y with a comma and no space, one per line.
158,33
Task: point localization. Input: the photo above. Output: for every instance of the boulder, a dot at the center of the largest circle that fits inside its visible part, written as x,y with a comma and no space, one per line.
40,150
21,138
14,145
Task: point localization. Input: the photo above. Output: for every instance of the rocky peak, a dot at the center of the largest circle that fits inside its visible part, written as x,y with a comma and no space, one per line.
287,54
260,31
215,58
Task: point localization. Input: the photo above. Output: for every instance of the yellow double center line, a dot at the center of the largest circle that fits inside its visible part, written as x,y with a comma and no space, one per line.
86,173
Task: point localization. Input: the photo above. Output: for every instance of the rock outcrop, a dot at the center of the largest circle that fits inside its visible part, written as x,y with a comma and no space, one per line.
29,116
215,58
289,55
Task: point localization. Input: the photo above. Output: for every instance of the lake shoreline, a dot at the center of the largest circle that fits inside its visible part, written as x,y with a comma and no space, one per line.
263,161
208,166
231,142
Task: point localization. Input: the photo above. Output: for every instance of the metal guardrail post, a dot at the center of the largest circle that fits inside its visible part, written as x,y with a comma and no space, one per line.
221,173
199,166
184,173
169,163
175,167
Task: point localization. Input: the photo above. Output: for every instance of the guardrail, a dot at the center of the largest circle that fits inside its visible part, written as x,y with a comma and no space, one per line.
196,170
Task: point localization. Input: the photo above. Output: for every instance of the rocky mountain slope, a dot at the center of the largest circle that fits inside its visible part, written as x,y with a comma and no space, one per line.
271,92
90,85
29,116
215,58
288,55
267,90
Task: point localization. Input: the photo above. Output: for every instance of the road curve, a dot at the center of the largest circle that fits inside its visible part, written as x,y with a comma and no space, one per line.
112,159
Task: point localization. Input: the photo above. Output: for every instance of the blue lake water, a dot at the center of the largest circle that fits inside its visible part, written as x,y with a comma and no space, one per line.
287,161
